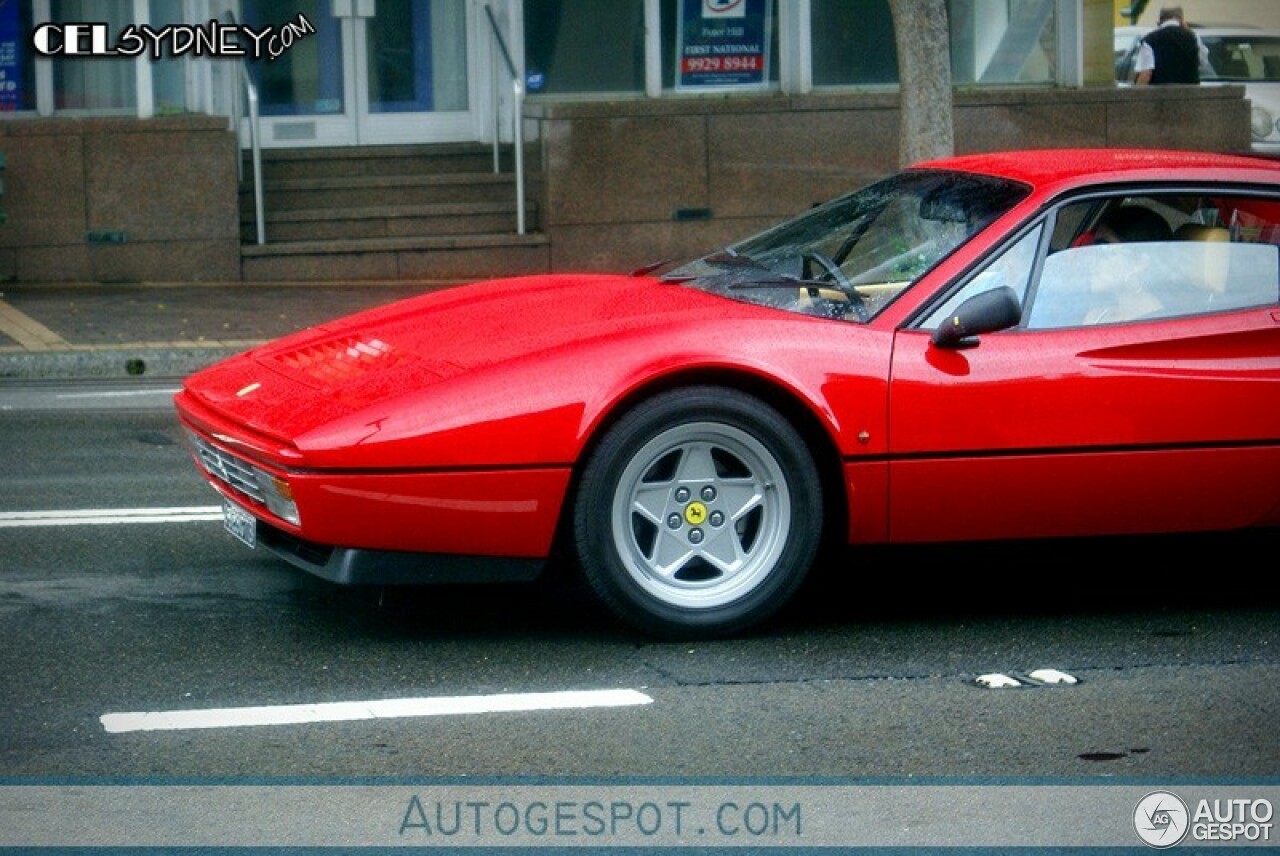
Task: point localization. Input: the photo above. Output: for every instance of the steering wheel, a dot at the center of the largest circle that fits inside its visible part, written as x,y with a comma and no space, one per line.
856,301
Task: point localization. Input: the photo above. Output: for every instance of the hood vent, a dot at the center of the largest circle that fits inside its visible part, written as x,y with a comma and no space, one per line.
339,360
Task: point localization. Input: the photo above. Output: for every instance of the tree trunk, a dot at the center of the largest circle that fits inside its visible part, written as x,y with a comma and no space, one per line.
921,32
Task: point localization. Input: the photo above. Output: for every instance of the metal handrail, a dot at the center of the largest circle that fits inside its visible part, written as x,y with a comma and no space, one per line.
517,123
251,93
255,143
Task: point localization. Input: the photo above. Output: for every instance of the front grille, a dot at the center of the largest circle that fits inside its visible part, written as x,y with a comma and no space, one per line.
230,470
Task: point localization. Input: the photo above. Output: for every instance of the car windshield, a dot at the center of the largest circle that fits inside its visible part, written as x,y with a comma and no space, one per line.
850,257
1245,58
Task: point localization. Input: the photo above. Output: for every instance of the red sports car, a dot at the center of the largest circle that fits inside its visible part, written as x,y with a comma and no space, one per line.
999,346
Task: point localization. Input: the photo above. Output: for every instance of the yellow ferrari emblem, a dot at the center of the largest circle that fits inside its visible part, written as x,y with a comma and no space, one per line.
695,514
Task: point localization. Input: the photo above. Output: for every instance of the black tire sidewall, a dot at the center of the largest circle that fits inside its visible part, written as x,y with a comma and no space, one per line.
597,554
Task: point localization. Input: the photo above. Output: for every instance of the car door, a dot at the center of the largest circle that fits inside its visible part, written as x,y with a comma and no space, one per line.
1066,426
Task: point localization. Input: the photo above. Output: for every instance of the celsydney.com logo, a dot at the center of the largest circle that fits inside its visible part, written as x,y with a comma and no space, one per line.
1161,819
214,39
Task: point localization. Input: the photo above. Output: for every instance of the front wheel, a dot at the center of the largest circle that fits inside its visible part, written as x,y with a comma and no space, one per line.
698,514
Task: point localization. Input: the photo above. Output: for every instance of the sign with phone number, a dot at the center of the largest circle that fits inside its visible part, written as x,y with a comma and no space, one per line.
11,82
723,44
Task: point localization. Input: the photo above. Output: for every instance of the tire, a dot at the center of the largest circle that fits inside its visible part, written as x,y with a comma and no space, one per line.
699,514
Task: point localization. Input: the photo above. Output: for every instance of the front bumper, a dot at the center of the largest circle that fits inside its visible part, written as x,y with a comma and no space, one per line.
393,526
354,566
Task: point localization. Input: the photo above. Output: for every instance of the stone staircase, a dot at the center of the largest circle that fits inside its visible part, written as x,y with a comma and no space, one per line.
387,213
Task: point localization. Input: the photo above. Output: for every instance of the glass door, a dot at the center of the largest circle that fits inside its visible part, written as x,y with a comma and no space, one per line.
374,71
413,84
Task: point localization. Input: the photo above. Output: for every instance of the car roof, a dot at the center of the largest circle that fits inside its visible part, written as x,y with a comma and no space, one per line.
1203,28
1243,30
1047,169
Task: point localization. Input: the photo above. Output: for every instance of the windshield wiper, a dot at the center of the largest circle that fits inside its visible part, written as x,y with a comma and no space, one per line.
787,282
652,266
729,257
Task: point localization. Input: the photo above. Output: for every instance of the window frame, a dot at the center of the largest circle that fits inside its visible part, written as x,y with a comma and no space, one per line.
1048,217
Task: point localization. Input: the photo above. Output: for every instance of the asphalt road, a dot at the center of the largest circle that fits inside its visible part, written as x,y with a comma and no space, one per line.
1175,643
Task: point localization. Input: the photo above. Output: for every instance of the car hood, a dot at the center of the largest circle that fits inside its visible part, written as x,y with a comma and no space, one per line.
296,385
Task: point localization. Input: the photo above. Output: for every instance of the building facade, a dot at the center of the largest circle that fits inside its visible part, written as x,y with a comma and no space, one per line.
237,140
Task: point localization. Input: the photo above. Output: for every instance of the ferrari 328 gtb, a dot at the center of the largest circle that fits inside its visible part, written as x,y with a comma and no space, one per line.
1000,346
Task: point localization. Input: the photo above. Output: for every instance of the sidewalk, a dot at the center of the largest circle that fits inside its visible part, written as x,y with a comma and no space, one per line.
70,331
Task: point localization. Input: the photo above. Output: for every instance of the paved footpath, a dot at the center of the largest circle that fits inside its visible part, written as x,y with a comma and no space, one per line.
68,331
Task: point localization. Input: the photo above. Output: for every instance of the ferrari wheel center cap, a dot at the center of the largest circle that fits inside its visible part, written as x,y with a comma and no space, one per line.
695,513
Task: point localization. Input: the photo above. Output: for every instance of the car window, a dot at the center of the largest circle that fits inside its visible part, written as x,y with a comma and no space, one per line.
1159,256
851,257
1012,267
1251,58
1127,41
1114,283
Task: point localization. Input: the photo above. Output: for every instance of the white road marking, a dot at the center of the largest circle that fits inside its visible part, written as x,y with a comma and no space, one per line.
119,393
1038,678
296,714
103,516
101,394
27,331
1053,677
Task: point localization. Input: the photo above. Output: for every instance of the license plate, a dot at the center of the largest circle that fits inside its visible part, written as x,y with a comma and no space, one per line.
240,523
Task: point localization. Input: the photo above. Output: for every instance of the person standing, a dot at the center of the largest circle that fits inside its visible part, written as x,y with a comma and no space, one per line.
1171,53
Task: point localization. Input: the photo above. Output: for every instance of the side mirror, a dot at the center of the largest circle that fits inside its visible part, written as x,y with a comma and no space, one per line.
987,312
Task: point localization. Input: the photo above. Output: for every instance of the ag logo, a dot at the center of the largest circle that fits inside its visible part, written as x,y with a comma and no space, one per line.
1161,819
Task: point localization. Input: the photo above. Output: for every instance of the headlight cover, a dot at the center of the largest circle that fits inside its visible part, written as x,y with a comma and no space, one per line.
1262,123
278,496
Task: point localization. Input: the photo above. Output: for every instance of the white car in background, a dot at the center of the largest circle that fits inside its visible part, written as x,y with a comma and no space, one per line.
1237,55
1127,39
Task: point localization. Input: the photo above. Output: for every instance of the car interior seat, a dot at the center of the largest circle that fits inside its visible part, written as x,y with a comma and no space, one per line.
1214,268
1233,66
1200,232
1234,275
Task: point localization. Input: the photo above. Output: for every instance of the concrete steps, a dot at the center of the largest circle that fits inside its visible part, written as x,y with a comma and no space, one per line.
387,213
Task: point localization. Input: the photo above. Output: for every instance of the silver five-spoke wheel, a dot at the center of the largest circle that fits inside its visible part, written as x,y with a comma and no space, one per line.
701,515
698,513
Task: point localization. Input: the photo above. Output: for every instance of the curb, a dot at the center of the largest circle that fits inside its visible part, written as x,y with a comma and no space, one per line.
111,363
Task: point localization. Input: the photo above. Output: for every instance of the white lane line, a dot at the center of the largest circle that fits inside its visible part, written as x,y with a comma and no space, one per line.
119,393
102,516
297,714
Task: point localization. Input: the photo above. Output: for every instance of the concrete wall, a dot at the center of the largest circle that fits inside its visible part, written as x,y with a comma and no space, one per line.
618,184
625,183
166,186
1097,25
